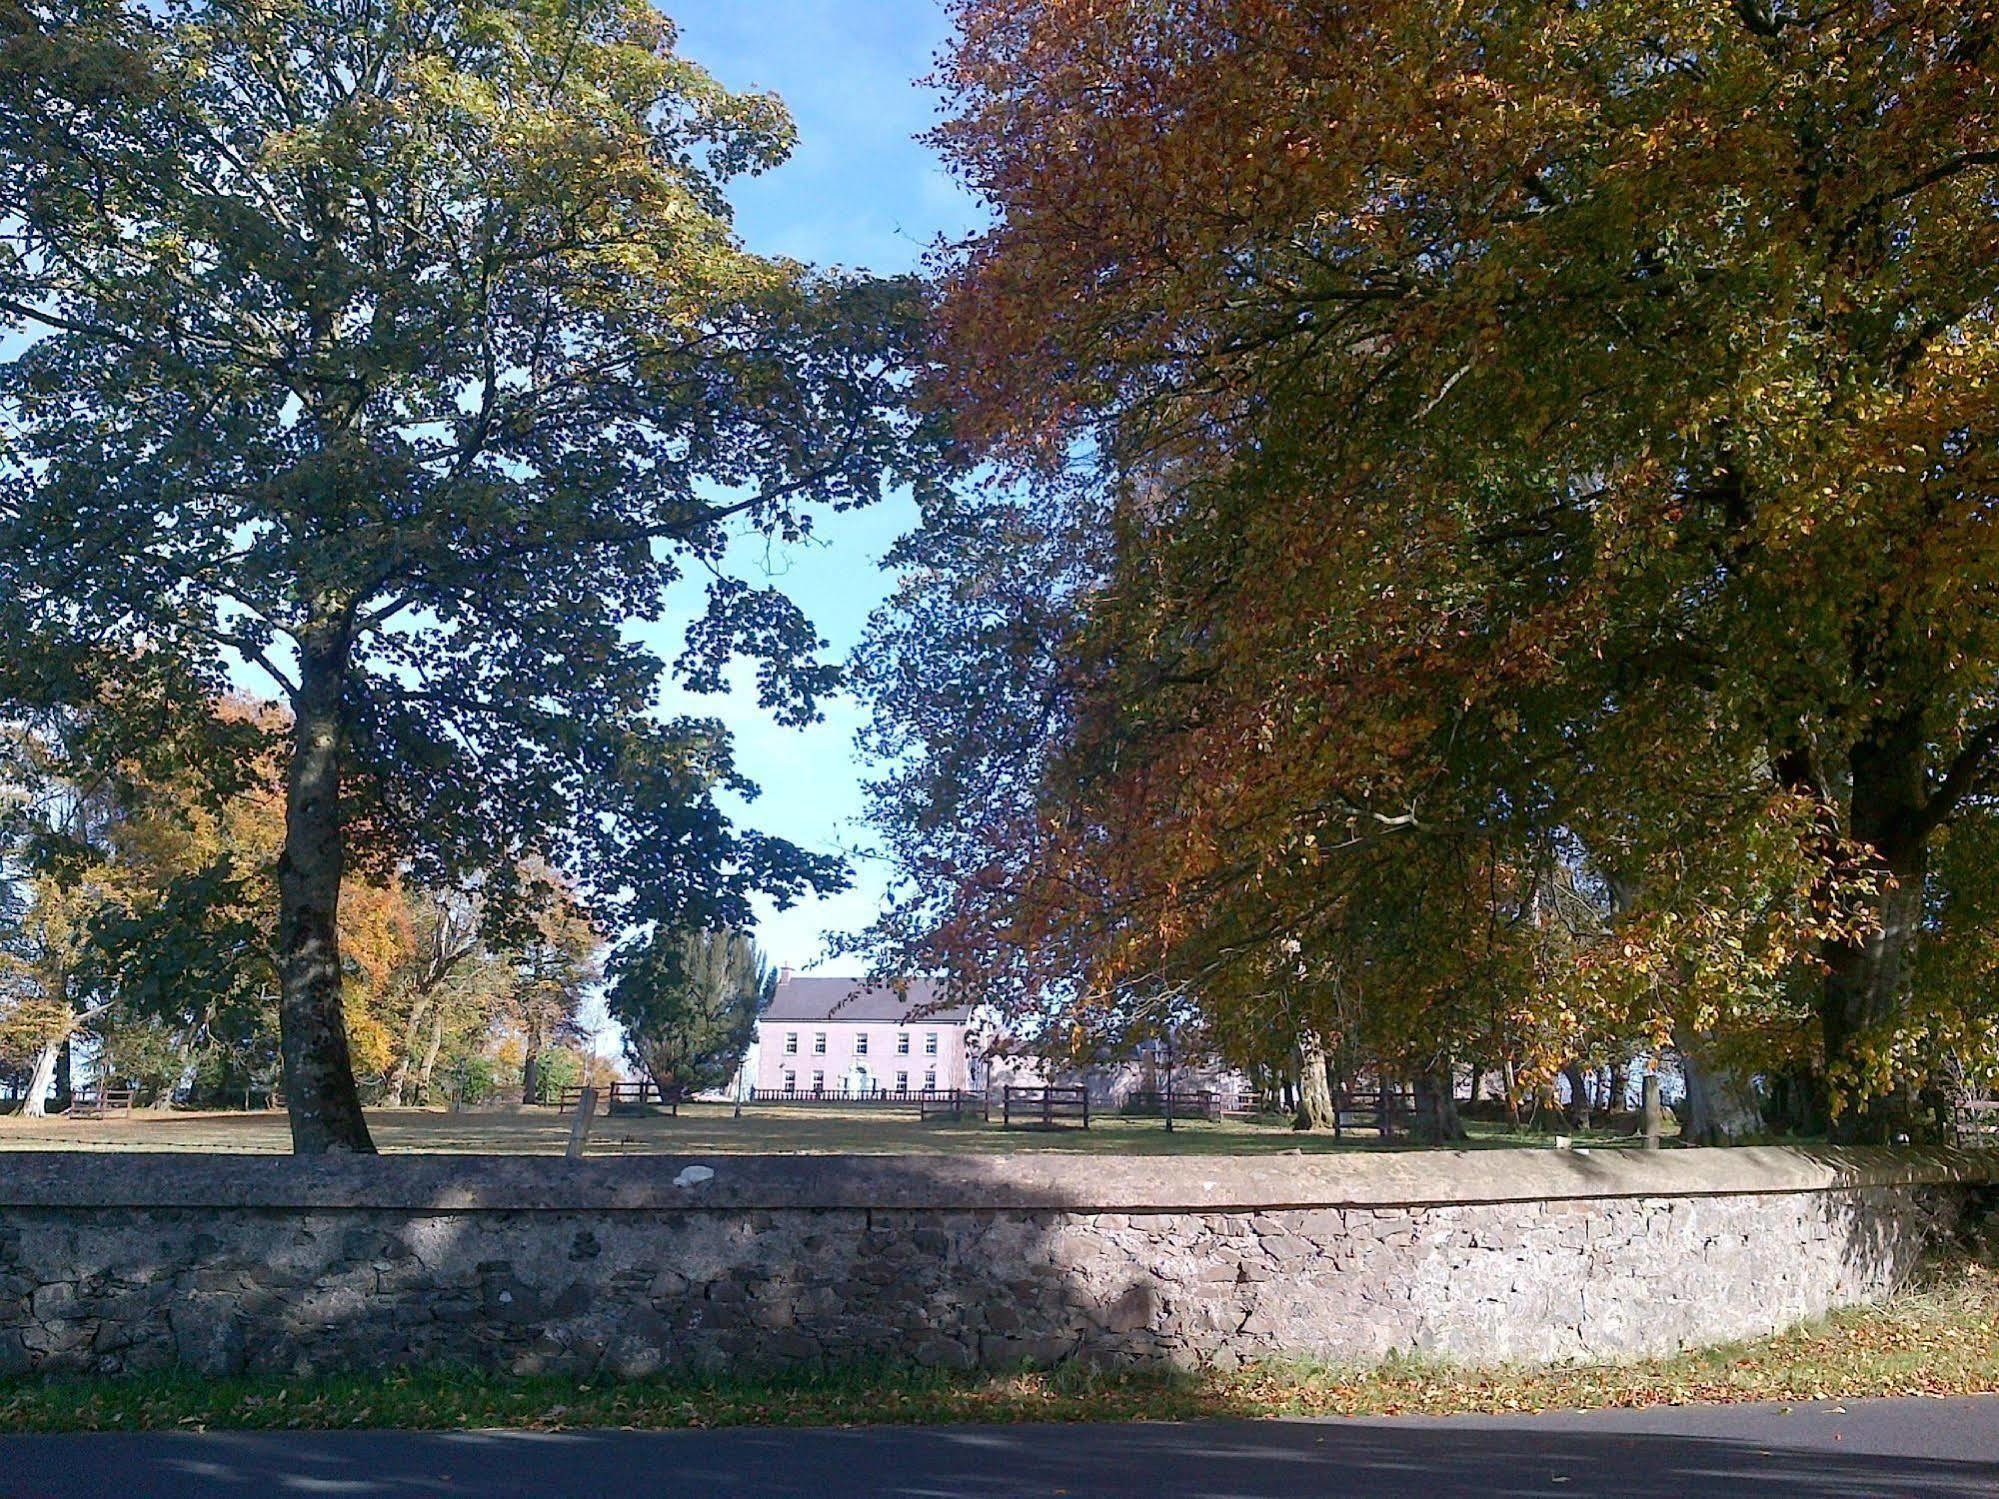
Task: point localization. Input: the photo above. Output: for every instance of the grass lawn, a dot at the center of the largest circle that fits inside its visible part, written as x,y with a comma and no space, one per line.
1939,1338
708,1129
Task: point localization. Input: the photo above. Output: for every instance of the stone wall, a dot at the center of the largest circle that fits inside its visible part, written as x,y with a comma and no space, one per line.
117,1263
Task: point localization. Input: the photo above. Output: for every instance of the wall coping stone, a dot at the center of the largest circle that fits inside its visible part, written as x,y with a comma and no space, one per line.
1037,1182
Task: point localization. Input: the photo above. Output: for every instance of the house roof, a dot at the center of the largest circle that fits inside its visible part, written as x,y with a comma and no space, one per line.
855,1000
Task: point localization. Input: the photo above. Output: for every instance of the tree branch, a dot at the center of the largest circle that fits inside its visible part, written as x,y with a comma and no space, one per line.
1971,762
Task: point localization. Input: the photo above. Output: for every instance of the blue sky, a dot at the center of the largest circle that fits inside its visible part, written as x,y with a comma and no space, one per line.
861,192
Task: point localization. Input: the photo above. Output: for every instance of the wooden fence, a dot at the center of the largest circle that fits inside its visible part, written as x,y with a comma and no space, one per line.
926,1101
624,1096
1151,1103
99,1103
1386,1110
1978,1122
1044,1108
949,1102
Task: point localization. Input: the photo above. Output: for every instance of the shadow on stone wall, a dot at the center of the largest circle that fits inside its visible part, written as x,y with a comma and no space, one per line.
111,1265
536,1265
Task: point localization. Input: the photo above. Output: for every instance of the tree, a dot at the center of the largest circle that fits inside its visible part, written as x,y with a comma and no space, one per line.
1543,461
689,1003
444,953
44,1001
402,351
543,999
134,843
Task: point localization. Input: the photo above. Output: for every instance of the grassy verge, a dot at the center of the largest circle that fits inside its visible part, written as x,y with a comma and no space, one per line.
1939,1338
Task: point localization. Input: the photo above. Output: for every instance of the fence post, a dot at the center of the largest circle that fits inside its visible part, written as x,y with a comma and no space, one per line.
1653,1123
579,1127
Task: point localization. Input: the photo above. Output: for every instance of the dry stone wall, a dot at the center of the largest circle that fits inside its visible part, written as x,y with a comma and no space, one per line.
111,1264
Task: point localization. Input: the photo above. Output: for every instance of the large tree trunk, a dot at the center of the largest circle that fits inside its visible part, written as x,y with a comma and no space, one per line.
1315,1098
324,1104
1579,1104
1795,1101
40,1079
1862,992
531,1072
1720,1107
1437,1106
66,1072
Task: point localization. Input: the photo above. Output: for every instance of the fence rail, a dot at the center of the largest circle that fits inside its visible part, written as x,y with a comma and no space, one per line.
1386,1110
1044,1108
1152,1103
623,1096
950,1102
99,1103
925,1100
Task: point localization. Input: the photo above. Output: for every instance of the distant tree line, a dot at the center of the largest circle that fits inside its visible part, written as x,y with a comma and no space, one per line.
137,950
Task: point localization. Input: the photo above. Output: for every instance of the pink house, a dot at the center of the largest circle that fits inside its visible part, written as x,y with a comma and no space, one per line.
845,1036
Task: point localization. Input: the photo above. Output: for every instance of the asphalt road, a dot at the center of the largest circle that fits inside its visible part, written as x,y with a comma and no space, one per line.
1887,1447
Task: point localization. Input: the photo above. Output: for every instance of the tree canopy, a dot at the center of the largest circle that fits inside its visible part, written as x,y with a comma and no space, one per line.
402,351
1523,480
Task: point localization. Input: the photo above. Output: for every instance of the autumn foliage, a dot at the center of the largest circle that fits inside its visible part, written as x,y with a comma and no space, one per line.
1520,483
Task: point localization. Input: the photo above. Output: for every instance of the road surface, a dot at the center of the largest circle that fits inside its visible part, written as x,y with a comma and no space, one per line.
1886,1447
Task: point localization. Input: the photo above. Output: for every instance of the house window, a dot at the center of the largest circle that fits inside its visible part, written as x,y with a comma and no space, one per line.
902,1082
818,1082
819,1043
930,1043
791,1043
930,1082
860,1043
791,1082
902,1043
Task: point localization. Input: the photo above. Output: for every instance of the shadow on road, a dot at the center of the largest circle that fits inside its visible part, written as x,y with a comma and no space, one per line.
1946,1448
